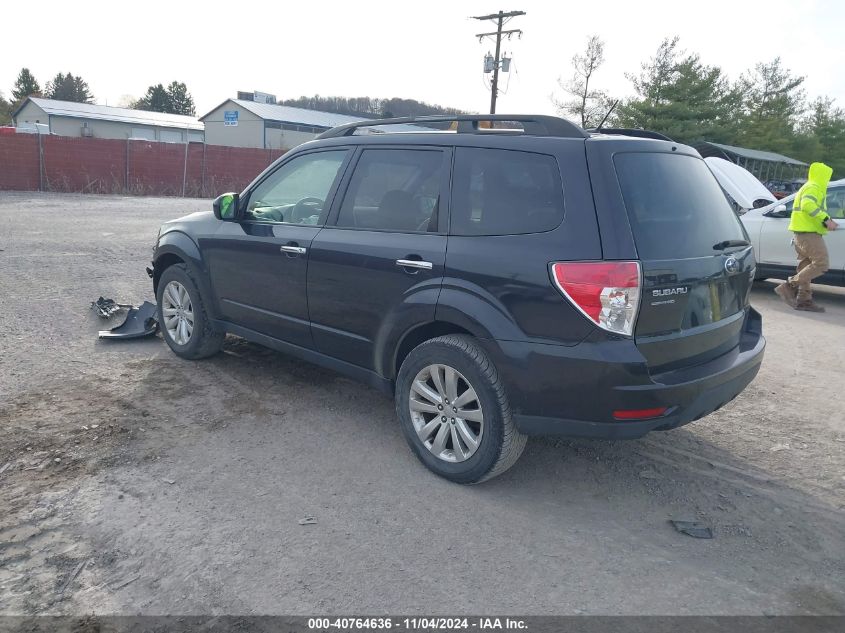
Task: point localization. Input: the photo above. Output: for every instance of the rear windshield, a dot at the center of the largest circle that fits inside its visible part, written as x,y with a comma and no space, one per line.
676,208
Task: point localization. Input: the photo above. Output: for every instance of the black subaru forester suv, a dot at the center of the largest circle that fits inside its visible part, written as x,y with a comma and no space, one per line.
499,283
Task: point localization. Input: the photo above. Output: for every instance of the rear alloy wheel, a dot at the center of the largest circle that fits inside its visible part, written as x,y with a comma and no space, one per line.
446,413
454,412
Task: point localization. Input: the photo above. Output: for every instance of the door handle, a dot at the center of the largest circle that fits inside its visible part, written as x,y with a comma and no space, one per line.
294,250
414,263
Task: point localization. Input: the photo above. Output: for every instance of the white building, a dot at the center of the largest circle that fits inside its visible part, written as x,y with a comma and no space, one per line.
242,123
67,118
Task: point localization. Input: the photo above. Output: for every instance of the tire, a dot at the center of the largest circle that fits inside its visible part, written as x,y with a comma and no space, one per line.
498,442
203,341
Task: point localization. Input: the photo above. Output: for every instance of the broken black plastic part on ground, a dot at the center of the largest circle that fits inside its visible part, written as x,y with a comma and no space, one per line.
105,308
140,322
692,528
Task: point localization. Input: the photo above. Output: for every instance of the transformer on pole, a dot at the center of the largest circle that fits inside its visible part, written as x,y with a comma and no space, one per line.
495,63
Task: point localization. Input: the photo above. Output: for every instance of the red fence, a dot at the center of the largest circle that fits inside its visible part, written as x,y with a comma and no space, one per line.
29,162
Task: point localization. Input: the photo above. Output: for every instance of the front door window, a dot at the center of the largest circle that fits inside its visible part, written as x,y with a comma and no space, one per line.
296,192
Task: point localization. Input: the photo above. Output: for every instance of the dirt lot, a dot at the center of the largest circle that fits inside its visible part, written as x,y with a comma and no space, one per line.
134,482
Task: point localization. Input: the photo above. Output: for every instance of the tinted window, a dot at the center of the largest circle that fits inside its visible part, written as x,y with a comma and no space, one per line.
296,192
394,189
503,192
675,205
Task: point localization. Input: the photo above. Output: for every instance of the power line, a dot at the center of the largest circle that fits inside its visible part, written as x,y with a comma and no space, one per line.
501,18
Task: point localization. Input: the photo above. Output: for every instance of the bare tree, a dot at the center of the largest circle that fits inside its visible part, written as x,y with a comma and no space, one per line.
126,101
587,104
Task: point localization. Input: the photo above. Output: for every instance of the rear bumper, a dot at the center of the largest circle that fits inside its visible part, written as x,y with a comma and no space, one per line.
707,402
574,391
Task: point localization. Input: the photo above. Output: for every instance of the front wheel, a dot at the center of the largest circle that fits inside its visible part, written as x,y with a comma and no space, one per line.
182,316
454,411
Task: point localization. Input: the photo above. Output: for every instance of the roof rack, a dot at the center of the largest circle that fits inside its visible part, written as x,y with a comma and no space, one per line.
532,124
629,131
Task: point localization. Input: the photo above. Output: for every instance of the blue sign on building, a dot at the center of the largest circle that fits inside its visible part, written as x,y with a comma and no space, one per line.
230,117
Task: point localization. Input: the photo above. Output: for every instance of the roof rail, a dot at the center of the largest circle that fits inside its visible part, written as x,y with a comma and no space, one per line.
532,124
629,131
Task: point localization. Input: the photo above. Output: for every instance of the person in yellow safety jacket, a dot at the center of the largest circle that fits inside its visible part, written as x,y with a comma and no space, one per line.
809,223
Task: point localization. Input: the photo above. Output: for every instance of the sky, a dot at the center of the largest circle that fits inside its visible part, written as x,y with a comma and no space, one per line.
422,50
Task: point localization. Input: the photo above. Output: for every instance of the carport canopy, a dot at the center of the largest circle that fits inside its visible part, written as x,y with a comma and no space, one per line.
764,165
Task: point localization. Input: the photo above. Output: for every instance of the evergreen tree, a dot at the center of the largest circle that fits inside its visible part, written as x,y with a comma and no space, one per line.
69,88
658,72
679,96
821,136
175,99
682,97
5,111
180,99
773,104
650,87
25,86
156,99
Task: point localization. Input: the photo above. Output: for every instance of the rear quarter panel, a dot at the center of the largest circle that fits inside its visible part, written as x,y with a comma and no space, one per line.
500,285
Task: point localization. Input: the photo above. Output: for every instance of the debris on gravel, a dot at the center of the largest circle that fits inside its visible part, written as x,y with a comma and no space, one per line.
692,528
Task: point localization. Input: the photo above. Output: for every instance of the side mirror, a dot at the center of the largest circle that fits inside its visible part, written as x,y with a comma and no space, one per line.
226,207
778,212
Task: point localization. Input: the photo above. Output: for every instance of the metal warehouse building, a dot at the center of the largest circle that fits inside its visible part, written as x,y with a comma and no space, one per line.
67,118
241,123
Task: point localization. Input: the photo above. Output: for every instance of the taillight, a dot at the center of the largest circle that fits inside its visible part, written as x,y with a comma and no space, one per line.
607,293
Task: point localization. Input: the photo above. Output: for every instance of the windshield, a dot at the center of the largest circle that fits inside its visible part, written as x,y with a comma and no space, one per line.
676,208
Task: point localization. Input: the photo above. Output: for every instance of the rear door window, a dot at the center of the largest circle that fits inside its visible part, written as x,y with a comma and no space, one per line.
675,205
504,192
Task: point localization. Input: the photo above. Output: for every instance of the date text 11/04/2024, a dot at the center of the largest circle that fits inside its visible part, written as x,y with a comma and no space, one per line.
415,624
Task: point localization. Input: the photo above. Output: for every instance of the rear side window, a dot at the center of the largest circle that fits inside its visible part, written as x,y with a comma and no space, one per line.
675,205
395,190
504,192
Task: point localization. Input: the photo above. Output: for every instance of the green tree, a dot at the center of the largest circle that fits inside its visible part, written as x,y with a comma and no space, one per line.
821,135
156,99
69,88
175,99
658,72
587,104
773,102
681,97
25,86
5,111
181,101
646,109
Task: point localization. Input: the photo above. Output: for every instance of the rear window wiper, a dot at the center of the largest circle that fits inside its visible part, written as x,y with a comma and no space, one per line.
730,243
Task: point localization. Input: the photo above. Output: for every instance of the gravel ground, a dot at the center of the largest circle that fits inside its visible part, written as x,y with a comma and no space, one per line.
133,482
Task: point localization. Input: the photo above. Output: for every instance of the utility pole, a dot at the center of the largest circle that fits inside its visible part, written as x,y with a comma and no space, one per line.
500,18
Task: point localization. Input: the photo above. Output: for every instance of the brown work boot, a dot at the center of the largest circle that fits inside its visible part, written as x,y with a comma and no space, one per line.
786,292
809,306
